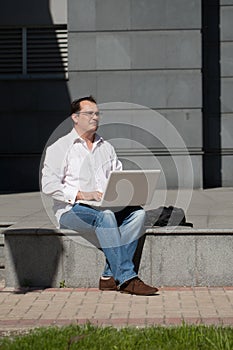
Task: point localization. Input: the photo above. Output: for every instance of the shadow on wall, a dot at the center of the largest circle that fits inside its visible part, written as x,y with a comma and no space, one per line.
33,104
33,260
43,259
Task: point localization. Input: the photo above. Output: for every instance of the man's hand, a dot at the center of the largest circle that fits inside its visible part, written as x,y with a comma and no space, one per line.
89,196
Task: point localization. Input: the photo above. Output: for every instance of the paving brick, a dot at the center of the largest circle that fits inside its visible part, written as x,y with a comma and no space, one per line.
171,307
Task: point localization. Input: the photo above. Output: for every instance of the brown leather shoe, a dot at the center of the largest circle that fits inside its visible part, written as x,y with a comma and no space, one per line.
109,284
138,287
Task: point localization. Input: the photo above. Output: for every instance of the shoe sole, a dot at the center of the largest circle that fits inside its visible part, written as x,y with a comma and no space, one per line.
147,294
108,289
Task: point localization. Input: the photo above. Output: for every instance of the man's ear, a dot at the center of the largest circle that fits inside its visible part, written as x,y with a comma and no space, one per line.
74,118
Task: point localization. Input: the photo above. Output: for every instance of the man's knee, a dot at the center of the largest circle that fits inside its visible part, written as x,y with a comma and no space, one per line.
141,214
107,217
108,214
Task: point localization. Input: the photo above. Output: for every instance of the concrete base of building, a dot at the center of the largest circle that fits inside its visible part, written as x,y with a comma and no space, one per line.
171,256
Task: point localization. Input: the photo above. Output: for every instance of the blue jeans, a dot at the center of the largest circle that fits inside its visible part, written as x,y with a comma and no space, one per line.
117,235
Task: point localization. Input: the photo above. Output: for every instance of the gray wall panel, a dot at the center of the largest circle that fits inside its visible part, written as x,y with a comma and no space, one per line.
114,86
82,84
153,129
166,49
81,15
226,23
227,170
227,131
188,124
164,14
92,15
226,98
82,51
136,50
176,172
163,89
153,89
113,15
113,51
227,59
226,30
86,15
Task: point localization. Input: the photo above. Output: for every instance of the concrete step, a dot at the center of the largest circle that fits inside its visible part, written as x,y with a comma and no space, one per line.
171,256
3,226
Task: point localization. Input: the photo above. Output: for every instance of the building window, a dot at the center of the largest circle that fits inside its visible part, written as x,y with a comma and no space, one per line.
35,52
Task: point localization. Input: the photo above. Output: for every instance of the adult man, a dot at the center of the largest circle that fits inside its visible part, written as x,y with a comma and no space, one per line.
76,168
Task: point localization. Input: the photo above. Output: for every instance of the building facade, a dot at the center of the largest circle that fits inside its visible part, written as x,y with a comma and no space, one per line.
174,57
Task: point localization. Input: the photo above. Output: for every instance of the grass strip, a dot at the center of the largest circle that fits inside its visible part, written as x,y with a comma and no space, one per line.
185,337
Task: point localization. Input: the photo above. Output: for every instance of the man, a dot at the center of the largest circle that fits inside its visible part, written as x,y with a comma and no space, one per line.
76,168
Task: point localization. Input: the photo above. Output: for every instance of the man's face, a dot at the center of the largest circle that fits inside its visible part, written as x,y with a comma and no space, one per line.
86,120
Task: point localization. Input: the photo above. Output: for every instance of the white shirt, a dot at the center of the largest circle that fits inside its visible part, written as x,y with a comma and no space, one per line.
70,167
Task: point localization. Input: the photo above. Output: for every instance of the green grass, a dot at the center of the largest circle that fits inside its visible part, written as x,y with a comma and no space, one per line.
108,338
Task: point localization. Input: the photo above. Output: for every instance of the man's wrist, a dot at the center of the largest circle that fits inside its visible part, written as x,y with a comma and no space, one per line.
79,196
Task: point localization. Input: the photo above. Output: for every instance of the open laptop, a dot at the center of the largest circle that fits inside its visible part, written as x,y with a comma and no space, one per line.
128,188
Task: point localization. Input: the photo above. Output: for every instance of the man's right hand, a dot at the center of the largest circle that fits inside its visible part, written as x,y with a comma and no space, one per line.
89,196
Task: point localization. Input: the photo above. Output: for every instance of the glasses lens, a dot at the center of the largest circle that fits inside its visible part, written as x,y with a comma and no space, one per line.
90,113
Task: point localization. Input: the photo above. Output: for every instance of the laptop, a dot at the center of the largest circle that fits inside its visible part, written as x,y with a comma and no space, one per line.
127,188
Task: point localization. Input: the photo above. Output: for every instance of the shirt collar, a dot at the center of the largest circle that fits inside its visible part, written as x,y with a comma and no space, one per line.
77,138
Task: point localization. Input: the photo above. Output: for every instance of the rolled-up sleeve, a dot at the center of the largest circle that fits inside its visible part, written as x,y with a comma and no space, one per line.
116,163
53,175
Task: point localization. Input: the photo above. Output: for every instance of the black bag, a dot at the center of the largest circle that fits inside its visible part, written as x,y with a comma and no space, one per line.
171,216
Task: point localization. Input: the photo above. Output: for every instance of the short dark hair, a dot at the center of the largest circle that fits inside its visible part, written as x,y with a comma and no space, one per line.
75,105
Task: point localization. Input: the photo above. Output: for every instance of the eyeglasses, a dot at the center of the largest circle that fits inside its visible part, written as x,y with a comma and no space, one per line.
90,114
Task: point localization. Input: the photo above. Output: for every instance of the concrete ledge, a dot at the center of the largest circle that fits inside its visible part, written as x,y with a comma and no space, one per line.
179,256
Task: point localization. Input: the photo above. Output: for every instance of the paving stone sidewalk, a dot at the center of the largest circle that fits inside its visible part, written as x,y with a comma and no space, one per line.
23,309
